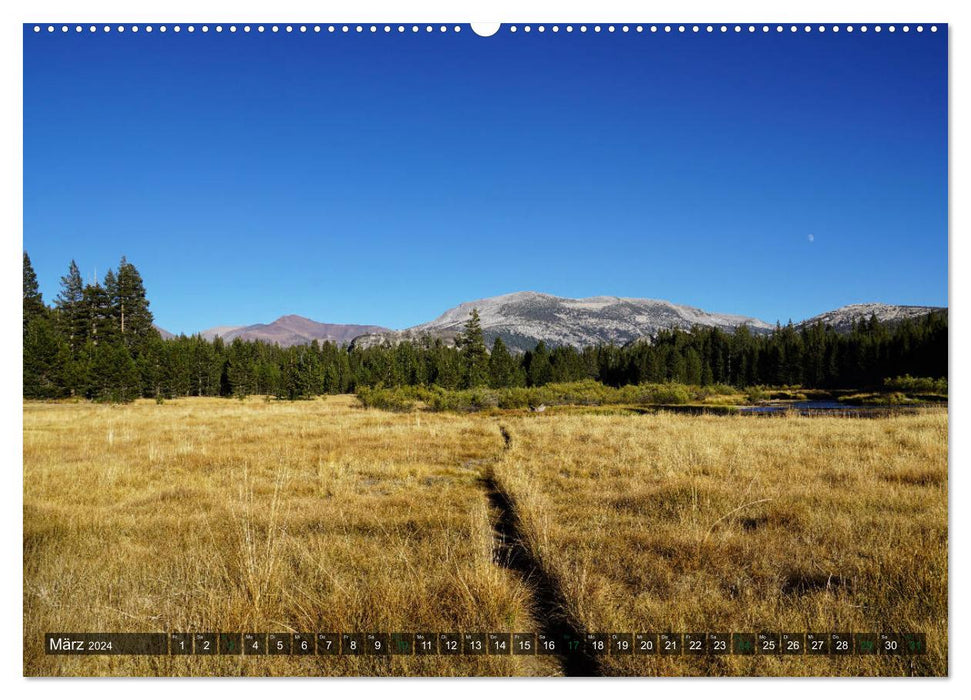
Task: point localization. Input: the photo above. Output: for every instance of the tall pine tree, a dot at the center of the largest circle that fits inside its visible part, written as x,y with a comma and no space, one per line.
475,357
131,307
502,366
33,301
71,315
539,371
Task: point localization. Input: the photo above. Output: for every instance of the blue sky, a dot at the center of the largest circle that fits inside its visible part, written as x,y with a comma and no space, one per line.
359,178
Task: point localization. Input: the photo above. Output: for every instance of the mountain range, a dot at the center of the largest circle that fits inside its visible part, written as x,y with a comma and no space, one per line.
523,319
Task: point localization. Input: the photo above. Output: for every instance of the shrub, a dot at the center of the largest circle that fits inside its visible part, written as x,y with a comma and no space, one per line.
517,397
671,394
896,398
924,385
720,390
754,394
583,393
385,399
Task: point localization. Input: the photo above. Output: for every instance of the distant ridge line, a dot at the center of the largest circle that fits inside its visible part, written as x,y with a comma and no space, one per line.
523,319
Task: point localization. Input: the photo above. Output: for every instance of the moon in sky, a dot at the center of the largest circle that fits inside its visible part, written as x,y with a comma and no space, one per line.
811,237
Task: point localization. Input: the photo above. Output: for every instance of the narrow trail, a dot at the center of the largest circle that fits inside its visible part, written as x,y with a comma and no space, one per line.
511,552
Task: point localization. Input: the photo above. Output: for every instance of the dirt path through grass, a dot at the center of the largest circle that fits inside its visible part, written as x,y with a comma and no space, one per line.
511,552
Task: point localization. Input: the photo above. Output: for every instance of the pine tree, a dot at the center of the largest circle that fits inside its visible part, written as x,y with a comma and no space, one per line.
97,312
566,364
269,377
154,370
110,284
502,366
33,301
69,304
345,377
538,368
114,375
242,368
692,367
43,360
131,304
446,368
296,374
475,357
72,287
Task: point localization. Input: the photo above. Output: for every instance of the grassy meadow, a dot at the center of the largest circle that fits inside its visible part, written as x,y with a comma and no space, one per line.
207,515
217,515
692,524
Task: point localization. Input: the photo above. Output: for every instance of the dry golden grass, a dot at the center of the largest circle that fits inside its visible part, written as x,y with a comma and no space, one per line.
693,524
217,515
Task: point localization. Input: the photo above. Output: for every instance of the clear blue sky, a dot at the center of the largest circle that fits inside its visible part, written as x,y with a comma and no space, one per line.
359,178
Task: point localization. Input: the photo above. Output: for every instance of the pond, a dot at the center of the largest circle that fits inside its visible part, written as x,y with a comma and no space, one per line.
816,408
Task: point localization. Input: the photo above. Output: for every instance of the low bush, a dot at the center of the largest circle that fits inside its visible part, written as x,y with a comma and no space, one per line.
916,385
754,394
386,399
584,393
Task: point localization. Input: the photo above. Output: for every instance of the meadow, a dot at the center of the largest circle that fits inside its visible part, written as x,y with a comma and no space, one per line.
222,515
693,524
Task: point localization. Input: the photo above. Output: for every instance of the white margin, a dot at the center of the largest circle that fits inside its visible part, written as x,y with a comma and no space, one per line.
439,11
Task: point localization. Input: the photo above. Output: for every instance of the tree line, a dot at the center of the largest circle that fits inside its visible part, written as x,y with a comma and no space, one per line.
97,341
